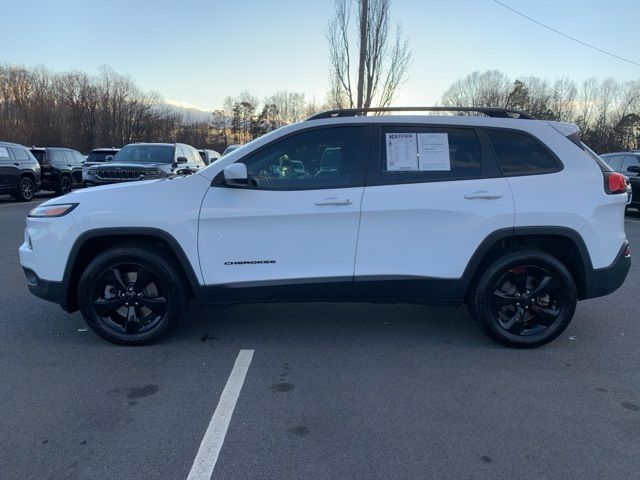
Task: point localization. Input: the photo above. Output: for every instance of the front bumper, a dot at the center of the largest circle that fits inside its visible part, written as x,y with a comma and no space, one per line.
603,281
46,289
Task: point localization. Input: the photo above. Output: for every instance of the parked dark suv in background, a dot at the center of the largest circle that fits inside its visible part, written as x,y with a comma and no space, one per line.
140,161
19,171
61,168
627,163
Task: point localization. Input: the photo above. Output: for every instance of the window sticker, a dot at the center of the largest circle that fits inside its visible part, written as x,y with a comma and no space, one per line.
4,152
402,152
433,152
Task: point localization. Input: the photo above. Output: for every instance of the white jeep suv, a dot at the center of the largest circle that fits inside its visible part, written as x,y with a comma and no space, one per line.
514,216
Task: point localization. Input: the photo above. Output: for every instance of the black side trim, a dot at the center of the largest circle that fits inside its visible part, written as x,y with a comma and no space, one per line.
603,281
329,288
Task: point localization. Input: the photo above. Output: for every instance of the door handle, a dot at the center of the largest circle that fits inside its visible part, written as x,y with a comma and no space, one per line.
483,194
333,201
16,164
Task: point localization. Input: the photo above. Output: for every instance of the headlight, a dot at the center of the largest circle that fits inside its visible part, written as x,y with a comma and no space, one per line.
52,210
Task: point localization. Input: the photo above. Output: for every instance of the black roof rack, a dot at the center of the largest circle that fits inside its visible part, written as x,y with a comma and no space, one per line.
488,111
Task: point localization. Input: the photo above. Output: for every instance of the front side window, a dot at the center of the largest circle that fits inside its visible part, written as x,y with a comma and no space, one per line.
79,157
521,154
57,156
145,154
423,154
319,158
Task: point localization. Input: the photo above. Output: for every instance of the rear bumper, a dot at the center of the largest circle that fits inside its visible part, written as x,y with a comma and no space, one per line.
46,289
603,281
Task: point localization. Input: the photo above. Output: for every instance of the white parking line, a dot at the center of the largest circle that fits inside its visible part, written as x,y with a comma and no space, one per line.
211,444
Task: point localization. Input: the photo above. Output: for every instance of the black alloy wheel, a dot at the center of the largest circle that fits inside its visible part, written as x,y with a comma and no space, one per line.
129,298
526,298
132,294
65,185
26,189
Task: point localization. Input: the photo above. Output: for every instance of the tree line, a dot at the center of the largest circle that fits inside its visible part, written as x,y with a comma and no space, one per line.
81,111
607,111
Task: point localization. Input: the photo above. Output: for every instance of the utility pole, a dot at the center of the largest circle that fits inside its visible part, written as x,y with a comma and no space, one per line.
364,14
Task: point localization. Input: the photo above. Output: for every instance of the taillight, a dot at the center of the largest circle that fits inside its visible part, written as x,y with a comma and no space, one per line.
614,183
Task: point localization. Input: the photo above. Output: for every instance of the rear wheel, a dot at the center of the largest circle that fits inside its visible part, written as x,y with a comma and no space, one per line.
65,185
132,296
26,189
524,299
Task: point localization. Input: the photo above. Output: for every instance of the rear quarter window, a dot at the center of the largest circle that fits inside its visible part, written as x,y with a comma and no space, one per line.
20,154
521,154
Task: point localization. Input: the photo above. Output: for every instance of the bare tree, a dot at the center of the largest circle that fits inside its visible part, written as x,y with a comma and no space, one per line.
290,106
382,60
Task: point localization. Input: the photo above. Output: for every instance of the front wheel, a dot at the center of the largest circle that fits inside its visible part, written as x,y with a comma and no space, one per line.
524,299
132,296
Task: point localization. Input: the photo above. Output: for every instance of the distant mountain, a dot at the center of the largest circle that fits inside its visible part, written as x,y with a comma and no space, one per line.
190,113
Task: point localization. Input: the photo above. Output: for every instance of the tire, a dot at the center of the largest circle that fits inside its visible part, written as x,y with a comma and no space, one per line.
26,190
505,304
65,185
132,295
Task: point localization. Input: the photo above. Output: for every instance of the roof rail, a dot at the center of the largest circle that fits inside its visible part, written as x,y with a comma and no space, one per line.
488,111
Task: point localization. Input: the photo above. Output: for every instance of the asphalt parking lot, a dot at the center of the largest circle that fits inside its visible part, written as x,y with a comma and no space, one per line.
348,391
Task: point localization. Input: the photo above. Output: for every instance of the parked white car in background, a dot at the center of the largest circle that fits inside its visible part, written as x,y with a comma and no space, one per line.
514,216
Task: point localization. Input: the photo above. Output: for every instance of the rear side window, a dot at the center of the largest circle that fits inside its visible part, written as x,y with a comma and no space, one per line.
410,154
521,154
20,154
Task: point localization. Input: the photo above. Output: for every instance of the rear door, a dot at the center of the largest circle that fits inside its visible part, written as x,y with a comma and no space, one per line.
432,195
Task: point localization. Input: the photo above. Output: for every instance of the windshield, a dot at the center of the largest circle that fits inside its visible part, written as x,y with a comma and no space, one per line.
145,154
100,156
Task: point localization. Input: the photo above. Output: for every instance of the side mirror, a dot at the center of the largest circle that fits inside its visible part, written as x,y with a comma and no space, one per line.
108,158
181,160
236,175
633,168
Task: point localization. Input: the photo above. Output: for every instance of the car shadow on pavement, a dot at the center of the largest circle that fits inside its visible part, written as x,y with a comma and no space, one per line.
327,324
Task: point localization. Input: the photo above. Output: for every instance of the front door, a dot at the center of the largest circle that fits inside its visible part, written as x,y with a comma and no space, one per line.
292,233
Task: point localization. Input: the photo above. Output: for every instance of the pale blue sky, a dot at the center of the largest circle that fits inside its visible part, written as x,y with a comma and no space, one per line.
200,51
